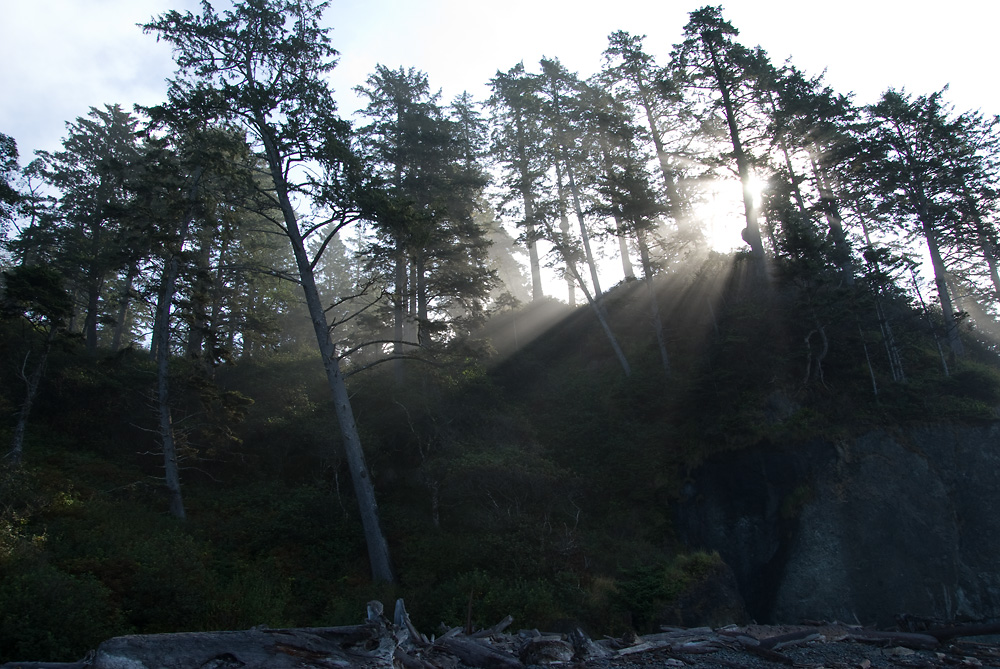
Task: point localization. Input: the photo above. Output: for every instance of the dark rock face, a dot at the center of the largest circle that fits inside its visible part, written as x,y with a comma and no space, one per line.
857,531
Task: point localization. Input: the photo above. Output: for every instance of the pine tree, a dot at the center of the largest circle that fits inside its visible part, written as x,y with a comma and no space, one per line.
711,63
87,237
516,145
261,65
908,158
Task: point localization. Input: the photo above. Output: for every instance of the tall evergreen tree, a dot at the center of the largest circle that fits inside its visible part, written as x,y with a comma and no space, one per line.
637,79
568,155
92,173
10,195
426,161
711,63
909,157
261,65
517,145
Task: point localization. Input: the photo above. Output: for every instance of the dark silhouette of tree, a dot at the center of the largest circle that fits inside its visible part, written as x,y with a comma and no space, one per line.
711,63
261,65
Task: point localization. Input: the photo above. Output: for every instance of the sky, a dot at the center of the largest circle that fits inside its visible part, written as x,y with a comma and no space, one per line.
63,56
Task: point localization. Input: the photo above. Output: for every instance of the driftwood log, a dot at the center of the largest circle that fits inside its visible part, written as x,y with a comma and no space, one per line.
380,644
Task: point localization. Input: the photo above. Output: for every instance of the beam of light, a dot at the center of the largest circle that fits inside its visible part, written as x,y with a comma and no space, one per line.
721,211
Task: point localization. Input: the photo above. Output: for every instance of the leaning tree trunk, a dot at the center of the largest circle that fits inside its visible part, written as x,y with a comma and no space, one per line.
751,234
841,245
584,235
161,346
378,548
941,282
162,337
594,305
31,382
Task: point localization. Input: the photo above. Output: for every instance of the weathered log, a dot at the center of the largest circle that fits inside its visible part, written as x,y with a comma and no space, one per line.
477,654
493,631
358,647
410,661
82,664
760,650
584,648
546,651
401,619
943,634
905,639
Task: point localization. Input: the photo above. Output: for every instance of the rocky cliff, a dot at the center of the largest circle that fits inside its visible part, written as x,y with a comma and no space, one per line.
858,530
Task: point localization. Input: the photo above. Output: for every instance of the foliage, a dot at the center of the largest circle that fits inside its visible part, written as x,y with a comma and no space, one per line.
519,471
646,591
53,614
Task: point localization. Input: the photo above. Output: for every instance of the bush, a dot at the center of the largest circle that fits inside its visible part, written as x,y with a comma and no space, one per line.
51,615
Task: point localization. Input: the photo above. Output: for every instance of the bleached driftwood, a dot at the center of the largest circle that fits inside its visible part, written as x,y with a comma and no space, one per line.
380,644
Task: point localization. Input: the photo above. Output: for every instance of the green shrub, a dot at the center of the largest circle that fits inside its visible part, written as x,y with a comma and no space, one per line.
47,614
645,591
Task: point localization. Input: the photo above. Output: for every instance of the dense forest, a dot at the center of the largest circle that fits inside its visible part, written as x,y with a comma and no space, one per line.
234,320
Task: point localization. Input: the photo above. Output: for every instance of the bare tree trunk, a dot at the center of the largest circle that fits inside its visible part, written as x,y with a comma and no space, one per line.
654,307
564,229
398,310
423,336
378,549
162,337
751,234
584,235
841,246
941,281
116,340
31,381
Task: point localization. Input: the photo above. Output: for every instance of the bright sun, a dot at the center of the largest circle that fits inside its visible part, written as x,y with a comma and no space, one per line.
722,212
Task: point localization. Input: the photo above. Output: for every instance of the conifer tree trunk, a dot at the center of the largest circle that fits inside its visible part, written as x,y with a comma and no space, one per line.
31,382
990,256
534,264
399,310
941,282
594,305
841,246
378,548
423,336
200,297
584,234
162,337
654,307
94,281
619,224
122,317
564,229
676,207
751,234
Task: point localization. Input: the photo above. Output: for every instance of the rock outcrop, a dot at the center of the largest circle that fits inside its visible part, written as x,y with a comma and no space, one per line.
861,530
